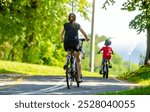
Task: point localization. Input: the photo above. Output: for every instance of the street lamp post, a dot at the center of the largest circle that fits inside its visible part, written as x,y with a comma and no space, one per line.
130,58
92,39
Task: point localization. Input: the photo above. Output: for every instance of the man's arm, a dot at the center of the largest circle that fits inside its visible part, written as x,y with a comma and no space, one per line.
84,34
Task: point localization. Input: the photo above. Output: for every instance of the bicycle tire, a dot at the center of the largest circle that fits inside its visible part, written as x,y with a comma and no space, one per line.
76,76
105,72
69,80
69,74
107,69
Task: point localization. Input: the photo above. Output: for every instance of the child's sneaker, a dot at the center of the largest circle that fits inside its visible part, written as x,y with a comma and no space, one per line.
110,66
101,72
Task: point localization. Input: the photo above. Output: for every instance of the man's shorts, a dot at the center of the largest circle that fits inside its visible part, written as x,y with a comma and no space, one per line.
71,44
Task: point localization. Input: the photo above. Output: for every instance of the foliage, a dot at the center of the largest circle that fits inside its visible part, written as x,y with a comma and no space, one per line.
141,22
29,30
108,2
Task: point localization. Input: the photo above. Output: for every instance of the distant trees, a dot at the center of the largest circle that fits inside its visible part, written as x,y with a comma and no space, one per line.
142,21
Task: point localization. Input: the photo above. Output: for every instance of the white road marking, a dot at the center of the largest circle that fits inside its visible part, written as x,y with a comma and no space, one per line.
58,85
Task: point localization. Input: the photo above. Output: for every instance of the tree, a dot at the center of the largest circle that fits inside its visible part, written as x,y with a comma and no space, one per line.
141,22
31,29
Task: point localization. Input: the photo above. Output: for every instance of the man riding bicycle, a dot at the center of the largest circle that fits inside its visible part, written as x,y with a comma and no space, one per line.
70,37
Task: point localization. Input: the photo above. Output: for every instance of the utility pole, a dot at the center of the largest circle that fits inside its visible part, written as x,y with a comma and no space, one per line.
92,51
72,4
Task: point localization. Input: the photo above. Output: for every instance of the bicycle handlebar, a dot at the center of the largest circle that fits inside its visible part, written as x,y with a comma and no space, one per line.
102,53
83,39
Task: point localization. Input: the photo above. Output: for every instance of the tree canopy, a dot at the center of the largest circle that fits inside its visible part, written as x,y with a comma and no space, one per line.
30,29
141,22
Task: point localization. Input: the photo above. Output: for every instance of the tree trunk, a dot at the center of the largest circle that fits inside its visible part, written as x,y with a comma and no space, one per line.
26,48
148,47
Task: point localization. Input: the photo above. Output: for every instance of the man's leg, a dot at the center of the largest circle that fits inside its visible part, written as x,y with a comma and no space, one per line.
67,56
79,67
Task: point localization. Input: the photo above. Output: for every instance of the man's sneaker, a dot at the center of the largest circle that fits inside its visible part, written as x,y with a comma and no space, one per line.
80,81
65,67
101,72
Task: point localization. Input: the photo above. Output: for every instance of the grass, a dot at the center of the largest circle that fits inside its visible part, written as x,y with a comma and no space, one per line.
141,77
9,67
143,90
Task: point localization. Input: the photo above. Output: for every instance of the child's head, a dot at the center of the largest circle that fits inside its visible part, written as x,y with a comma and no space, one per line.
107,42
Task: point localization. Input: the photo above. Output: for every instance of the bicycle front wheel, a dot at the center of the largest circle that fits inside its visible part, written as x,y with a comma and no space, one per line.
105,74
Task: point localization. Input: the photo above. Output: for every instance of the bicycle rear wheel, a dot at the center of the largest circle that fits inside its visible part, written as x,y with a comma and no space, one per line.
105,74
76,76
69,79
105,70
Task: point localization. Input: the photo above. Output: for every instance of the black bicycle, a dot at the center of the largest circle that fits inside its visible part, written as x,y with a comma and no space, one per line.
105,68
71,68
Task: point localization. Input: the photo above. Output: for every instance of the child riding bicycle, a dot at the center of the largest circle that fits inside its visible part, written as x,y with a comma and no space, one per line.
107,51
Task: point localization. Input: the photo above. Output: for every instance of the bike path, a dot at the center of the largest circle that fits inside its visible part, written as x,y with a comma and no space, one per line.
51,85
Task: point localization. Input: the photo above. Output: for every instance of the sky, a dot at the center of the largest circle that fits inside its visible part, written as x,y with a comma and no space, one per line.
114,23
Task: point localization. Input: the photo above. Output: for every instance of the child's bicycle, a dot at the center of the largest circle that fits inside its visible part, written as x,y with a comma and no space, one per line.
105,69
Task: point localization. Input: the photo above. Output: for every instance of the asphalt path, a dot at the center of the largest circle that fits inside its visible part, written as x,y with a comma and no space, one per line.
51,85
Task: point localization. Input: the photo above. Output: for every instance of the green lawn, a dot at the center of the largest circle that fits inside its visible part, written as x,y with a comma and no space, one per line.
141,77
33,69
143,90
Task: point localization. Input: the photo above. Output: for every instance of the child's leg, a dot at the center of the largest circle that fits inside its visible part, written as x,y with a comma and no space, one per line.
110,66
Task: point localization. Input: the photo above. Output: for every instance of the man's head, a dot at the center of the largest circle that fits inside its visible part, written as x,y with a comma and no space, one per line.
71,17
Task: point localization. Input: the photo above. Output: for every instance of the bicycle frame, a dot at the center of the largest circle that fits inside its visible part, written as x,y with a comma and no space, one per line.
105,68
71,71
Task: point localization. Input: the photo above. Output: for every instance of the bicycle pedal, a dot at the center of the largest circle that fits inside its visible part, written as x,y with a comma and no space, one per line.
100,72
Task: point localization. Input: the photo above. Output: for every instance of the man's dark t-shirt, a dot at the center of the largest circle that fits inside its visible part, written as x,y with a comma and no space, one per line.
71,38
71,31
